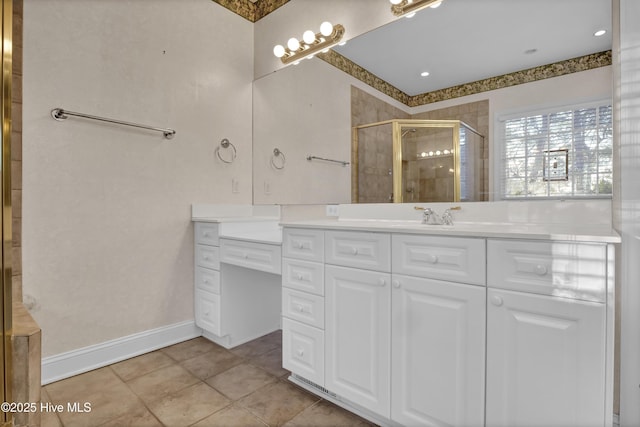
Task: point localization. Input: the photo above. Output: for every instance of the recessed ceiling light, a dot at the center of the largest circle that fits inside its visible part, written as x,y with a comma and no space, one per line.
530,51
424,73
600,33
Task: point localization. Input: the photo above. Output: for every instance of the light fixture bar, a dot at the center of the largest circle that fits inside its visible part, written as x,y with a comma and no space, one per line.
307,48
406,6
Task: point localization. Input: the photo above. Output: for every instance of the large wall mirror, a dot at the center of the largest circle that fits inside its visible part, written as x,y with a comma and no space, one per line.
305,115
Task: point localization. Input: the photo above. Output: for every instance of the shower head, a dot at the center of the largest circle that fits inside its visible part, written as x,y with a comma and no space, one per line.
412,130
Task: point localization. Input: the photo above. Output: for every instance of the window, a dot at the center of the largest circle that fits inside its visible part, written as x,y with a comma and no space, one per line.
566,153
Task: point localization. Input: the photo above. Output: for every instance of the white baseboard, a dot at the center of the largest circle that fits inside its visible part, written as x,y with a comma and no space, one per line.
65,365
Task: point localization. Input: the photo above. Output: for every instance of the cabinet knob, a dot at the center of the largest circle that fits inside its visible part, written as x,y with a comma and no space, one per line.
354,251
300,308
432,259
299,245
396,283
207,258
299,276
206,281
300,352
382,282
207,234
540,269
497,301
246,256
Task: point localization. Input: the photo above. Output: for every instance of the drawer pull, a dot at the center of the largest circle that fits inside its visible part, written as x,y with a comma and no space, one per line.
300,308
299,276
540,269
396,283
298,245
496,300
432,259
300,352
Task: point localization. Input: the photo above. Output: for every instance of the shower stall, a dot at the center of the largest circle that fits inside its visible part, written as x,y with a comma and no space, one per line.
415,161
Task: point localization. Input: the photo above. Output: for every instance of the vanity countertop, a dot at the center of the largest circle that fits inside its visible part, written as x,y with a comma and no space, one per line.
247,228
559,232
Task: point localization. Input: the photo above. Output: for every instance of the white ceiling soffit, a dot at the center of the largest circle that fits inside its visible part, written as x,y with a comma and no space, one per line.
463,41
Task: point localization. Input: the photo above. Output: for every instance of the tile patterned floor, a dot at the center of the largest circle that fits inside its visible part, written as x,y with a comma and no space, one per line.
195,383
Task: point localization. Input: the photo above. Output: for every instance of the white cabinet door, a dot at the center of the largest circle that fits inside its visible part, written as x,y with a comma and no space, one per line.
545,361
357,336
437,352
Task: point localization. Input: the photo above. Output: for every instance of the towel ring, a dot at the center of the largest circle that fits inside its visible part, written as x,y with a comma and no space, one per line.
277,153
226,144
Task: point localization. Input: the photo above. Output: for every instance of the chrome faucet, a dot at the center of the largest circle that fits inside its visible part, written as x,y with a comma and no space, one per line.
430,217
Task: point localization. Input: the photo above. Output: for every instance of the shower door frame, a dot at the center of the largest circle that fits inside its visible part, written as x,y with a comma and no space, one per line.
397,126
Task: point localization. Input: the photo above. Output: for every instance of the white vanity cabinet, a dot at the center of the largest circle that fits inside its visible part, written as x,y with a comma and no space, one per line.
425,329
358,318
207,277
237,292
438,331
547,334
303,306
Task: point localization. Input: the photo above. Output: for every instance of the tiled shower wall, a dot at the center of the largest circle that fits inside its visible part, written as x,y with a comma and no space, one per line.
16,151
366,108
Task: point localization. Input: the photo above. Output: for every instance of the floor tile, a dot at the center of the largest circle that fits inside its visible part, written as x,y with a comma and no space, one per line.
260,345
211,363
162,382
188,405
141,365
240,381
278,403
190,349
48,419
110,402
271,362
140,417
326,414
78,387
231,416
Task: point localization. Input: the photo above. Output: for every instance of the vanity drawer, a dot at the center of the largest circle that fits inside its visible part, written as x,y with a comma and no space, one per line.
370,251
303,275
303,350
303,244
206,233
207,311
454,259
208,256
256,256
208,280
303,307
565,269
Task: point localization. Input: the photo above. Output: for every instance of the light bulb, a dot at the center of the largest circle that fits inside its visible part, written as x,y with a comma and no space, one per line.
309,37
436,4
411,15
430,153
423,154
278,51
293,44
446,151
326,28
438,153
395,1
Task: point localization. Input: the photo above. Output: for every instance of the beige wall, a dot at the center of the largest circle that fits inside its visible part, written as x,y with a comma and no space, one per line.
107,241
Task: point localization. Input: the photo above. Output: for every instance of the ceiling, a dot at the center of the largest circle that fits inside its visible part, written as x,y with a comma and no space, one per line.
463,41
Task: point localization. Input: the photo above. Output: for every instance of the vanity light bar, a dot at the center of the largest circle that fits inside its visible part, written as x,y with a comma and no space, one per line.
311,43
403,7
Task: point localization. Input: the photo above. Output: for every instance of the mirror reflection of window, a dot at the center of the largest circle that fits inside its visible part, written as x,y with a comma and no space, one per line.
583,134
